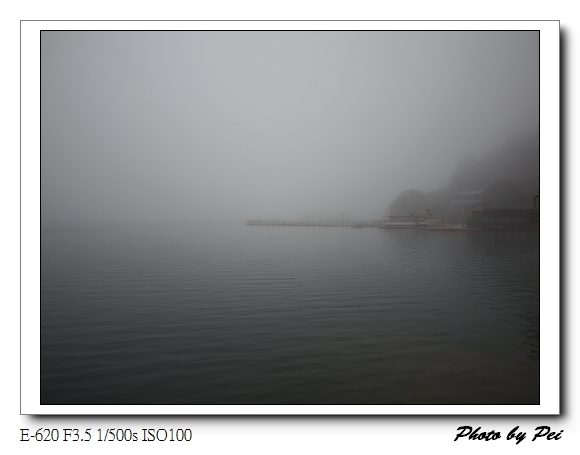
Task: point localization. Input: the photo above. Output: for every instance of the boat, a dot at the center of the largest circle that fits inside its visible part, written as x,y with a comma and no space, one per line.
420,220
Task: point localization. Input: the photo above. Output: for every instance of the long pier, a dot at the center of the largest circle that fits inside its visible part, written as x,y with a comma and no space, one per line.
354,224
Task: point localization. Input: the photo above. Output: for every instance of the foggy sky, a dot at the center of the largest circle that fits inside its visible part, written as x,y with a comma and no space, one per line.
154,126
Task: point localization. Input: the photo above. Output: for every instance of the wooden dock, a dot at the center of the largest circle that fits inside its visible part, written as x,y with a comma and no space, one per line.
354,224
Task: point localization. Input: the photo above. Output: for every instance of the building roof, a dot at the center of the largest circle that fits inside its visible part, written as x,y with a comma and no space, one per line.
465,193
469,202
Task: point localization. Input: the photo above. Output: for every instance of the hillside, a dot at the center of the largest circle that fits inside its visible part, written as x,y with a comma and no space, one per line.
508,173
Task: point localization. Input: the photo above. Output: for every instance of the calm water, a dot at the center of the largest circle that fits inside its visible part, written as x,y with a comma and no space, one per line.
235,314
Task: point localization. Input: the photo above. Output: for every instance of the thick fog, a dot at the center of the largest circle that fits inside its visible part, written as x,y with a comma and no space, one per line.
170,126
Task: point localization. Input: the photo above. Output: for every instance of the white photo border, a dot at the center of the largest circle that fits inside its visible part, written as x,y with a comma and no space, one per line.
549,233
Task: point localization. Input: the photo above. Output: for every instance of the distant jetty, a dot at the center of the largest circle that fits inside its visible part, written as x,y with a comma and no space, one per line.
354,224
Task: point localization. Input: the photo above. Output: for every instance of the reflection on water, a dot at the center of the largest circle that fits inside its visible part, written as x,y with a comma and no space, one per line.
253,314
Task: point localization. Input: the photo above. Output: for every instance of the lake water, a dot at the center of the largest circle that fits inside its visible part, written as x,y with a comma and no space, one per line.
235,314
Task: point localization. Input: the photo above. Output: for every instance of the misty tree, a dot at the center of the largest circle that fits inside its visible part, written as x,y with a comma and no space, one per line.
409,201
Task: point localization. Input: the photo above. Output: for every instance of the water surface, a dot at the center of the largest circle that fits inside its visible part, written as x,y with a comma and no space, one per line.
235,314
